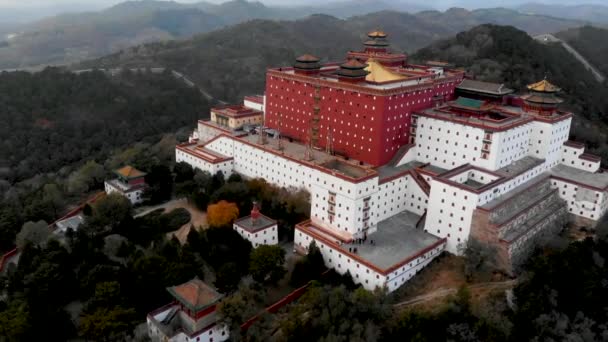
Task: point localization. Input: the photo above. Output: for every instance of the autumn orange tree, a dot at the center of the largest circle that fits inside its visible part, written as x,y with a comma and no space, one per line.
222,213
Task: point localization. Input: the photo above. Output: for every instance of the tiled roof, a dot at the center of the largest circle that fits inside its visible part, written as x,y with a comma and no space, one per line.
465,102
195,294
542,99
544,86
129,172
376,34
484,87
378,73
307,58
353,64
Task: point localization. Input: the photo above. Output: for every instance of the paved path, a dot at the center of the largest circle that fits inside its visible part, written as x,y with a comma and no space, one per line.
444,292
549,38
198,218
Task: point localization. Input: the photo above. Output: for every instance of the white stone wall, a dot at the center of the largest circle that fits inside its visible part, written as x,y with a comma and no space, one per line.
135,197
592,205
449,214
570,157
253,105
546,140
349,197
217,333
266,236
447,144
199,163
509,146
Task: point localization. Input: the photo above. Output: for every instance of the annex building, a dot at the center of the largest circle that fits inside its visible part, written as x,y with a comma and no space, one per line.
404,162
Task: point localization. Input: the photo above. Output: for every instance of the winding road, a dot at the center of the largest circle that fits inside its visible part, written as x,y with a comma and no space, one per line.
549,38
444,292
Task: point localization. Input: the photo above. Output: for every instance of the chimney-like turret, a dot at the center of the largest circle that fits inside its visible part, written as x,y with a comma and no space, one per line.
255,214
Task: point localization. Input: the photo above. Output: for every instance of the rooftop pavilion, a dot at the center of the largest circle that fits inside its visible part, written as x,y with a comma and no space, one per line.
235,111
486,89
375,67
255,222
490,116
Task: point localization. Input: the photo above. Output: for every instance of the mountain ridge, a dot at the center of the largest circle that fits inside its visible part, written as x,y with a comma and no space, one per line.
72,38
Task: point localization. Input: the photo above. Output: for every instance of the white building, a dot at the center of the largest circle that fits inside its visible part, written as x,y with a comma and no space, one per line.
191,317
501,170
257,228
130,183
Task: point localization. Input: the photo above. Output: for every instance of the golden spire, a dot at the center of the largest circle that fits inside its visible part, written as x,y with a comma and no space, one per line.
544,86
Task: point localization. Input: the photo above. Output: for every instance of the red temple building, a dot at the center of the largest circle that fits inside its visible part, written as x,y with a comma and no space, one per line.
360,108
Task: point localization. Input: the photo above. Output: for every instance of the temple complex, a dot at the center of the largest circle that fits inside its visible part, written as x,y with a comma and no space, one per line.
404,162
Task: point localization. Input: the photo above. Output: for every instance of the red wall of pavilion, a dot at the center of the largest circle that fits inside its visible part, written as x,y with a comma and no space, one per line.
364,127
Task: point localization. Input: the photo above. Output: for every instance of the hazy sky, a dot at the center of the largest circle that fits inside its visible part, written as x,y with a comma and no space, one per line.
102,3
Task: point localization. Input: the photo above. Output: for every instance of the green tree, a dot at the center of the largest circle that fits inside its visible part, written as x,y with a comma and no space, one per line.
183,172
36,233
308,268
52,196
108,324
111,212
267,264
227,277
15,321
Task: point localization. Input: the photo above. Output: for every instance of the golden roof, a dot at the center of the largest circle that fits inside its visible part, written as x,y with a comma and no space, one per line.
543,86
129,172
379,73
376,34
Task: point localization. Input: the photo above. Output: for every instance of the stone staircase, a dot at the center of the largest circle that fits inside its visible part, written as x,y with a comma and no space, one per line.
514,223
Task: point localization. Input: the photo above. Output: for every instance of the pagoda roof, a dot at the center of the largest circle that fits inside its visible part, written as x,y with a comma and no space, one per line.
307,58
129,172
544,86
376,42
542,99
377,34
379,73
353,64
484,87
195,294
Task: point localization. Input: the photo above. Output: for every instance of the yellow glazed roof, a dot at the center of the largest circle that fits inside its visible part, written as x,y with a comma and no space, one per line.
130,172
376,34
543,86
378,73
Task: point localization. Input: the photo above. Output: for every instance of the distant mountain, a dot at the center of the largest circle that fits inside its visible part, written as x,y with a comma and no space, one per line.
231,62
591,42
586,12
75,37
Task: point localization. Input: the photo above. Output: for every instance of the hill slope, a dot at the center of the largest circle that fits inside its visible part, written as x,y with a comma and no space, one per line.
587,12
76,37
231,62
591,42
54,118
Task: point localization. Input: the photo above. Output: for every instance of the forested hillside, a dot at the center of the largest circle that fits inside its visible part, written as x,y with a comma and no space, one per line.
54,118
231,62
591,42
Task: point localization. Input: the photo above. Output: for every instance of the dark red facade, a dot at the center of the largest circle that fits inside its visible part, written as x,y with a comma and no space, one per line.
363,122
